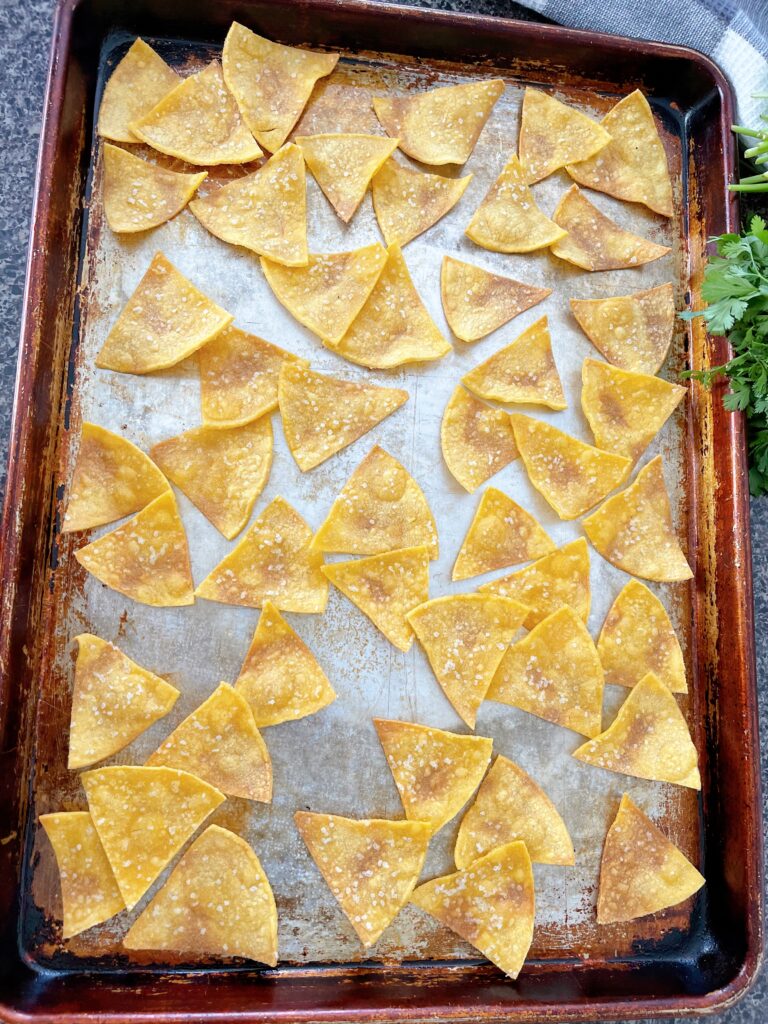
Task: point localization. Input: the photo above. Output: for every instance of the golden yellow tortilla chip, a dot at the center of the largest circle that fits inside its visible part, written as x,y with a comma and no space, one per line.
490,904
637,638
464,637
113,701
221,471
138,83
147,558
139,195
633,530
217,901
343,165
435,772
510,806
321,415
641,871
271,82
553,135
165,320
281,678
477,440
371,865
275,562
143,817
649,739
407,202
595,242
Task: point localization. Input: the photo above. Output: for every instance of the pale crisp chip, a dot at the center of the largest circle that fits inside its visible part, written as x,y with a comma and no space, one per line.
370,865
634,531
553,135
275,562
631,331
138,83
435,772
407,202
138,195
89,892
648,738
217,901
221,471
147,558
343,166
510,806
143,817
281,678
477,440
165,320
465,637
113,701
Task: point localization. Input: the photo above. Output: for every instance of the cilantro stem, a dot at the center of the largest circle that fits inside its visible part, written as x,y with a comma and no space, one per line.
741,187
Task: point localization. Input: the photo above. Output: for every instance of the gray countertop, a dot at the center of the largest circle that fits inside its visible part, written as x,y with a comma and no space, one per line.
25,28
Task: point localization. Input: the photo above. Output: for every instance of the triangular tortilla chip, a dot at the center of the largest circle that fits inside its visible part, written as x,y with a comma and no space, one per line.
143,817
380,508
385,588
165,320
138,83
508,219
571,475
113,701
321,415
440,126
281,678
407,202
631,331
501,533
637,638
217,901
523,371
555,673
477,440
477,302
595,242
553,135
641,871
435,772
464,637
649,739
138,195
633,166
510,806
219,743
222,472
271,82
265,212
147,558
370,865
343,165
275,562
634,531
89,892
490,904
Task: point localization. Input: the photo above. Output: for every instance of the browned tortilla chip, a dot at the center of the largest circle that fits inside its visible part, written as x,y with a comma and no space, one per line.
407,202
343,166
501,533
553,135
139,195
138,83
476,440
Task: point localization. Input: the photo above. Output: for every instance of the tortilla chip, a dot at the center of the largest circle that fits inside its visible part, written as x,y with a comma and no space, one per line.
165,320
633,530
370,865
217,901
407,202
219,743
508,219
143,817
435,772
281,678
222,472
477,440
322,415
637,638
113,701
147,558
275,562
510,806
523,371
138,83
595,242
490,904
271,82
501,533
439,126
465,636
138,195
343,165
553,135
633,166
649,739
631,331
641,871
